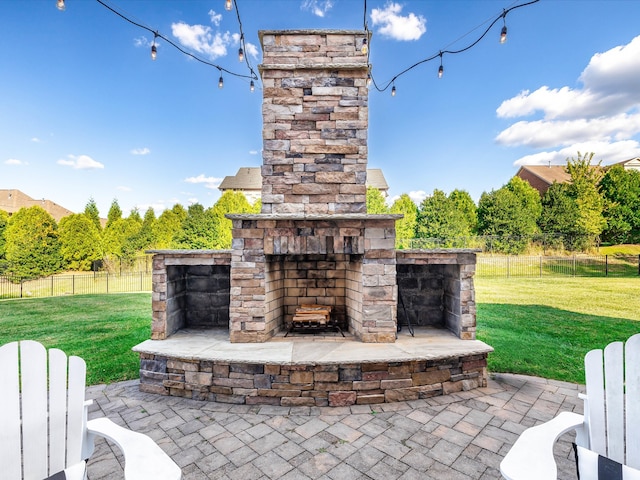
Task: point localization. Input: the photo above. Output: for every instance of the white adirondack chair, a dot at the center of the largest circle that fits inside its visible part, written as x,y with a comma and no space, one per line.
43,420
610,426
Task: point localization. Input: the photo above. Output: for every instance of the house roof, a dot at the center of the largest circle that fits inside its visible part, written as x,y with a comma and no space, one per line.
631,164
546,173
250,178
13,200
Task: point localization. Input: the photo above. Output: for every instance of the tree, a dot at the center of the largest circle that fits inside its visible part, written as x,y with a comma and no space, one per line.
621,191
168,226
559,215
115,212
376,202
585,189
530,202
507,215
147,230
4,220
197,229
465,204
79,242
438,217
91,211
229,202
33,247
406,226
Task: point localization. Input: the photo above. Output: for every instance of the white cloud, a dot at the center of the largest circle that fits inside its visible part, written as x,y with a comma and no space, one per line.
202,39
143,42
318,7
215,17
35,140
192,200
601,116
140,151
15,161
209,182
122,188
418,196
547,134
253,152
392,24
80,162
607,152
251,49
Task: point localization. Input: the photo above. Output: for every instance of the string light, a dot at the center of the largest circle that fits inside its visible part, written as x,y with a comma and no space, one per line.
368,79
503,32
228,5
154,50
442,52
393,91
365,48
156,34
240,55
252,86
61,6
221,82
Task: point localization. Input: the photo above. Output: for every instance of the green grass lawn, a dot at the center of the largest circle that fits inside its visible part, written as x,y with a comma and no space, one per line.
545,326
537,326
620,250
99,328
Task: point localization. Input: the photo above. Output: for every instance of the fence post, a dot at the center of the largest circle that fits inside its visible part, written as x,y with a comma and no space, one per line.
540,266
73,285
141,280
606,265
21,280
574,266
508,266
107,282
52,277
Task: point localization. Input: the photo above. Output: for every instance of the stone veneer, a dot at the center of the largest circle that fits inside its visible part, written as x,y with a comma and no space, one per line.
315,121
310,384
358,275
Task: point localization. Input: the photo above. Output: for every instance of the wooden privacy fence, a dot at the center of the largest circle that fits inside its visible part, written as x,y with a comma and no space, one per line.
541,266
77,284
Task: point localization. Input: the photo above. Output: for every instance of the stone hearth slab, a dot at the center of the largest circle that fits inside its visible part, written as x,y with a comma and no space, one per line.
214,345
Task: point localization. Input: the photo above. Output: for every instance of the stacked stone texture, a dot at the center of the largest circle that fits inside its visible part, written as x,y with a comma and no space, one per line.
315,119
309,384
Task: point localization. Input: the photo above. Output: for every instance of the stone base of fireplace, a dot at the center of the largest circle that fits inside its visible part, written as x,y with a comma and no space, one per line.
311,371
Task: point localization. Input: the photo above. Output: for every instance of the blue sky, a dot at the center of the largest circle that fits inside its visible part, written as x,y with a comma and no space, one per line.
85,112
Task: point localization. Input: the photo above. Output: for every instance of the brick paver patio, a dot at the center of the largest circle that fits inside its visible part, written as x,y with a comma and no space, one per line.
458,436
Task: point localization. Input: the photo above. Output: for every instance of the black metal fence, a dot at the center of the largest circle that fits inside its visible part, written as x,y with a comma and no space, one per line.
77,284
574,266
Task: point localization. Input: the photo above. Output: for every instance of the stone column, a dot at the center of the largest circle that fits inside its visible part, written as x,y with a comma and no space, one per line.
315,120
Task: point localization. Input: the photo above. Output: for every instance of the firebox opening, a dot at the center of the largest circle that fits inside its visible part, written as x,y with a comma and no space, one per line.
198,296
322,279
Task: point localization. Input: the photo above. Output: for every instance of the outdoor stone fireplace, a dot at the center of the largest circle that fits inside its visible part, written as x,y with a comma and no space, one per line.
312,243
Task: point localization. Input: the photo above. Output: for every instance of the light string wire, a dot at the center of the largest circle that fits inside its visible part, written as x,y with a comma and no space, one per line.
157,34
442,52
242,44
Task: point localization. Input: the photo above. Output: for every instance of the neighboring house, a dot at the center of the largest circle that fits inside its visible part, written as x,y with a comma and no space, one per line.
541,177
248,180
631,164
13,200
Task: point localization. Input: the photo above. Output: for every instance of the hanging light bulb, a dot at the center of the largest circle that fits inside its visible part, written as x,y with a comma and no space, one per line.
441,69
252,86
154,49
369,79
61,6
365,47
228,5
240,54
393,91
220,82
503,32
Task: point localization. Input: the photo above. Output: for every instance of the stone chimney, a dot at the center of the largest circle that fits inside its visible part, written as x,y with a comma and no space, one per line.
315,115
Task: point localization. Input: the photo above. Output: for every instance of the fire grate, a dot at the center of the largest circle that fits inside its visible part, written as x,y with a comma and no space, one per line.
313,318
